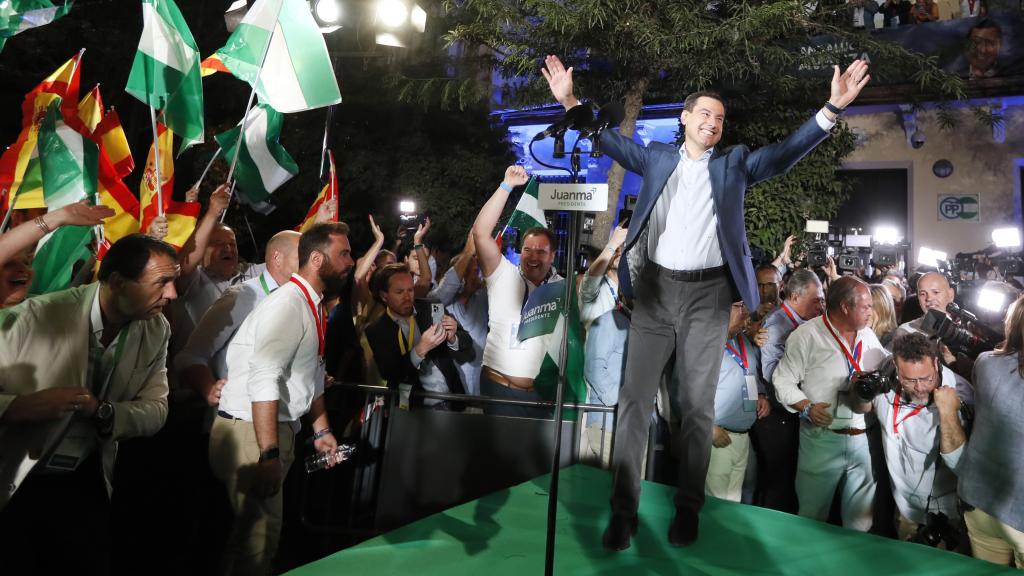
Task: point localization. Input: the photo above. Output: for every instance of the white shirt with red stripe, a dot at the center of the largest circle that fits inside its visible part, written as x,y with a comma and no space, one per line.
815,368
276,356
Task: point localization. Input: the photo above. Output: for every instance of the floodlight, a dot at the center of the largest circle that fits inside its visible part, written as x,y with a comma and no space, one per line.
418,18
392,13
407,207
817,226
928,257
992,300
887,235
389,39
1006,237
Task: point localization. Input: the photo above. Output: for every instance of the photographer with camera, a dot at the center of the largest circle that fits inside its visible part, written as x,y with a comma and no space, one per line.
922,436
811,379
991,470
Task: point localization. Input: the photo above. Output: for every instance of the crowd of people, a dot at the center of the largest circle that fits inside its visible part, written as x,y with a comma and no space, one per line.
872,14
786,387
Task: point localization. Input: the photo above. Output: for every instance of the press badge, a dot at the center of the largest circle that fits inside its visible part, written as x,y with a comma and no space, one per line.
76,445
750,393
513,338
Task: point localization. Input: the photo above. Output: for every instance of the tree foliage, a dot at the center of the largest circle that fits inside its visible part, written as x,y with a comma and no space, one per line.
756,53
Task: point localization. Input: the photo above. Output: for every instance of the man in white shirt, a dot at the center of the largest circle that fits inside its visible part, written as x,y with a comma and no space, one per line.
275,375
686,259
921,467
202,363
509,365
812,379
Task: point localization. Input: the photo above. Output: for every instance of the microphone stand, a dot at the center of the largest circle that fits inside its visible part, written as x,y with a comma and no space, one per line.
570,285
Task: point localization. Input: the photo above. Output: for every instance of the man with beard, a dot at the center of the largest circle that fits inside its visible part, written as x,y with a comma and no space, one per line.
275,375
82,369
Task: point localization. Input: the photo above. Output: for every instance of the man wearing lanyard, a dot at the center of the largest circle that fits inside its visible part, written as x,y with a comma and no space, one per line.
739,401
777,436
275,375
83,369
921,467
812,380
202,362
510,365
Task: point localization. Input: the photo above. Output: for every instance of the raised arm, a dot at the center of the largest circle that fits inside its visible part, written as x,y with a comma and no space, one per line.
599,266
487,251
559,81
26,234
424,280
192,252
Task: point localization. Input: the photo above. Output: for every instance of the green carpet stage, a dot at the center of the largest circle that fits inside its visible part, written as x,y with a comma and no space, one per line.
503,534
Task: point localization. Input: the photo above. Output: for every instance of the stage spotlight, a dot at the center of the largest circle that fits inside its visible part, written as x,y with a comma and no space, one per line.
328,11
1006,237
928,257
392,13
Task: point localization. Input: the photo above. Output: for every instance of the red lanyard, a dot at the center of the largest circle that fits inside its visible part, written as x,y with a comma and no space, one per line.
741,356
318,318
852,360
970,7
896,411
790,315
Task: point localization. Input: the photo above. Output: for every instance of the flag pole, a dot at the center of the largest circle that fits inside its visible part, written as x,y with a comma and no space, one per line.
248,108
7,216
156,164
207,169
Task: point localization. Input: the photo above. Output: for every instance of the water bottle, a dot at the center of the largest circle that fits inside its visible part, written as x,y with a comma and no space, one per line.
320,460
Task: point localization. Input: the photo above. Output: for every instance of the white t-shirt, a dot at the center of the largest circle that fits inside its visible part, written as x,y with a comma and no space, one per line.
507,292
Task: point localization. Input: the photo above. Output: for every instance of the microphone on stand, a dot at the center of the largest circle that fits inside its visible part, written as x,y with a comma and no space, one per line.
608,116
574,118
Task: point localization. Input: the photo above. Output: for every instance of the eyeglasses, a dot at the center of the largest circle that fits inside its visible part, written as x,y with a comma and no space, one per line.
916,381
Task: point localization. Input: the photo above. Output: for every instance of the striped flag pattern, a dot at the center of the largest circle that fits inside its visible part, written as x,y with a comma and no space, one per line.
328,193
263,164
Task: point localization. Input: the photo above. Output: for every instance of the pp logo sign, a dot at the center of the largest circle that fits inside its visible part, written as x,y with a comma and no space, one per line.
960,207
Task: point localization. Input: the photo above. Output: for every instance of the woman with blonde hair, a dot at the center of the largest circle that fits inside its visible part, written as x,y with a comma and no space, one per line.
883,314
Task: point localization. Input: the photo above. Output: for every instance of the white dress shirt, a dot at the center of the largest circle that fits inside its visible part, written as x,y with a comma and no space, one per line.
275,356
198,295
814,368
691,242
208,344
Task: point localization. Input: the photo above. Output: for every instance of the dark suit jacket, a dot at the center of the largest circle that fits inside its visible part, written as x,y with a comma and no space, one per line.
397,368
732,172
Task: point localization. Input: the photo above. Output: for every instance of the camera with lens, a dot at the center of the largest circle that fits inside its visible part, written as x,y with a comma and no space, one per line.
871,384
937,529
955,333
817,253
848,262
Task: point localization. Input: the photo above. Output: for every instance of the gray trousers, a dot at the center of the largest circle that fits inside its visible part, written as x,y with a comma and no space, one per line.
690,319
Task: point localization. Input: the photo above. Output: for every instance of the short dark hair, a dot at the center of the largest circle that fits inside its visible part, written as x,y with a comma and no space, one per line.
381,279
129,256
843,291
691,100
382,255
767,268
986,24
541,231
915,346
318,238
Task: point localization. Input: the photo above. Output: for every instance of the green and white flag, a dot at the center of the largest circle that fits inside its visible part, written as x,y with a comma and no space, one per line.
263,164
16,16
297,72
165,74
543,317
68,163
528,213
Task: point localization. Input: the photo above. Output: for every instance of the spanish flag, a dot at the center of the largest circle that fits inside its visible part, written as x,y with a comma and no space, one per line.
112,138
115,195
181,216
89,113
329,192
20,176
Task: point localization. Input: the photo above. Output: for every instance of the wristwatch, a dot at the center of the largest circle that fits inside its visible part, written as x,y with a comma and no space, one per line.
105,415
270,454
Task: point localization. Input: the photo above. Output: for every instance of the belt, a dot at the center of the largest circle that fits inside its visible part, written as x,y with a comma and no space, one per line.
499,378
690,275
849,431
733,431
224,414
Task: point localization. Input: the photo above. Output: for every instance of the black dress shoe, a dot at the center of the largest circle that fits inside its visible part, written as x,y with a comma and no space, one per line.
617,534
683,530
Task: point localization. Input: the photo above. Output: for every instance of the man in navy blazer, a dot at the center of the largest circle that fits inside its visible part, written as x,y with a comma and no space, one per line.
686,261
